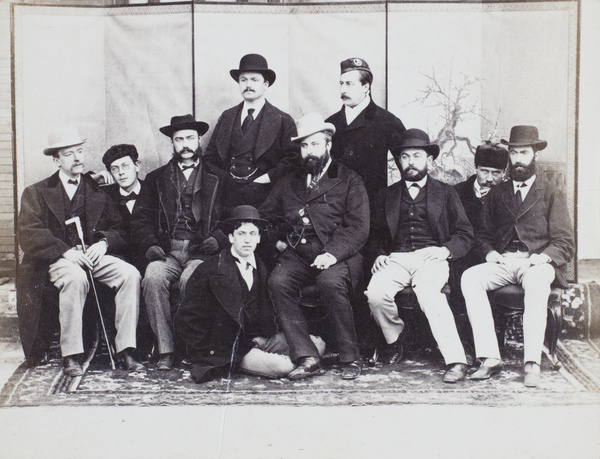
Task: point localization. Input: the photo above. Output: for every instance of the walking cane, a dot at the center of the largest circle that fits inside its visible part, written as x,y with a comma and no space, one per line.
77,222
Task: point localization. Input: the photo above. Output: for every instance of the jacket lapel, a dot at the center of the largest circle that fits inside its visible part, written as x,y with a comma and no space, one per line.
435,202
327,182
361,120
269,128
227,293
94,205
225,133
54,198
392,206
532,197
508,197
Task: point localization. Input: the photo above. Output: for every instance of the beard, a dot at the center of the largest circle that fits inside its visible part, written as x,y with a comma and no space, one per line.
197,154
521,172
412,174
313,164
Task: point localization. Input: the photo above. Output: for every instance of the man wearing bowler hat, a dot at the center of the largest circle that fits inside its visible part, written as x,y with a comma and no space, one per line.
227,319
364,132
251,141
54,251
526,239
417,225
176,227
325,213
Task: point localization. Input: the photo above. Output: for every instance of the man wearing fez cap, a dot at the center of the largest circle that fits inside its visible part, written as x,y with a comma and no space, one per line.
325,213
251,141
526,239
417,225
53,250
365,132
226,318
176,227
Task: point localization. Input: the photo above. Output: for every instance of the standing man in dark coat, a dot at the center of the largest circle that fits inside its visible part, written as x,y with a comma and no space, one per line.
176,227
364,132
251,141
53,250
527,239
227,319
326,209
417,225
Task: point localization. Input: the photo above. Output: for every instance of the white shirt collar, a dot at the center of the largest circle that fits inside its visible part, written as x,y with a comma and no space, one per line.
421,182
241,261
353,112
528,183
257,106
64,178
135,190
478,189
188,169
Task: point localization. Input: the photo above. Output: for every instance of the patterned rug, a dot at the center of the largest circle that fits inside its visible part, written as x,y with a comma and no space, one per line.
416,380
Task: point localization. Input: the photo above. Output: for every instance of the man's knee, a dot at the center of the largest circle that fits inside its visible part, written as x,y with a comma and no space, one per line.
155,275
279,281
472,278
75,277
539,275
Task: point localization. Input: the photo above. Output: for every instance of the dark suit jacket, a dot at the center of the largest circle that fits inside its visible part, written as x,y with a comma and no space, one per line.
208,319
542,223
338,208
363,146
474,209
275,154
154,223
445,213
41,235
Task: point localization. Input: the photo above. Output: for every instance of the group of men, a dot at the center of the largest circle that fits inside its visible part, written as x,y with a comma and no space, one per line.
310,197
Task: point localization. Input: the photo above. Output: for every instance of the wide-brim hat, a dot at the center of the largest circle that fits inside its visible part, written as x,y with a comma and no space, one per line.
68,136
179,123
415,138
244,214
254,63
311,124
525,136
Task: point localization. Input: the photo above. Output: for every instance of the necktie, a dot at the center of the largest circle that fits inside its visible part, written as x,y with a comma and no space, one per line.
130,197
248,120
518,195
185,168
73,182
414,190
313,182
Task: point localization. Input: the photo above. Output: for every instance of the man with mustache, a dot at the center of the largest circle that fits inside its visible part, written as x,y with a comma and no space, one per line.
527,239
417,225
251,141
52,250
365,132
322,213
176,227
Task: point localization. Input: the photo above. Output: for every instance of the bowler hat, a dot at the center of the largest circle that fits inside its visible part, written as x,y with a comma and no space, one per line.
245,213
415,138
311,124
179,123
525,136
488,155
254,63
355,63
119,151
68,136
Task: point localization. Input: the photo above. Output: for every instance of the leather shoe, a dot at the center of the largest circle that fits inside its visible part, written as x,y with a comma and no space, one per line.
456,372
128,362
486,371
394,352
165,362
72,367
352,370
532,374
308,366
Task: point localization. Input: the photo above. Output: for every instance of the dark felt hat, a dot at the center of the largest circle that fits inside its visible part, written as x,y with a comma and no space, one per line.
119,151
179,123
244,213
488,155
355,63
254,63
525,136
415,138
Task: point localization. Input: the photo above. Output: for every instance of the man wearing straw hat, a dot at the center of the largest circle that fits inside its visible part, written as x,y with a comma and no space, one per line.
52,250
325,210
526,239
251,141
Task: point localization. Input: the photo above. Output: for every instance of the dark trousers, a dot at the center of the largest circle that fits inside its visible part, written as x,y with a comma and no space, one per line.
292,272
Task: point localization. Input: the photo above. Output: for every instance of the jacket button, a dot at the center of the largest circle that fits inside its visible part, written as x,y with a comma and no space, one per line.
212,352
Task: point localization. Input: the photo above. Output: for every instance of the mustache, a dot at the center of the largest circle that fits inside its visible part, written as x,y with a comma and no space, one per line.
248,90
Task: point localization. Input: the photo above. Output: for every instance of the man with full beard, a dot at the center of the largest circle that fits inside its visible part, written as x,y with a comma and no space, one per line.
325,213
526,238
176,226
417,225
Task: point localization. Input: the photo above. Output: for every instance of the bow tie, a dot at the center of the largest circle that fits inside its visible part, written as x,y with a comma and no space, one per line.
73,182
130,197
185,168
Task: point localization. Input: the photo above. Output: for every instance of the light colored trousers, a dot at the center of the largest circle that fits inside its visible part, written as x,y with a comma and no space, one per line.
535,280
271,356
156,285
73,284
427,278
